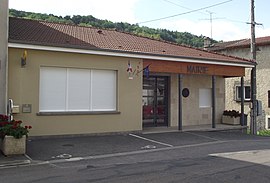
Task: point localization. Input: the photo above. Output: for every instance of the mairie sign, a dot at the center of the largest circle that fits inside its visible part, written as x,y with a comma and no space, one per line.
197,69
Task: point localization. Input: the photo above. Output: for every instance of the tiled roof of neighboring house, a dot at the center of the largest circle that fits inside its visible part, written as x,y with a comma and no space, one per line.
44,33
243,43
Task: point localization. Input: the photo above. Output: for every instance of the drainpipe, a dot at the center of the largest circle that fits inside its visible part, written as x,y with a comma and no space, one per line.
213,101
242,102
180,86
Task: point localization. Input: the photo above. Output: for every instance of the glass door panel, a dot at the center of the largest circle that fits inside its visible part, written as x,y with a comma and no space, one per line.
155,101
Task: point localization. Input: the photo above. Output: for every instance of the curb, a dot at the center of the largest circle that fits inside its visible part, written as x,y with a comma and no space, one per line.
217,129
14,163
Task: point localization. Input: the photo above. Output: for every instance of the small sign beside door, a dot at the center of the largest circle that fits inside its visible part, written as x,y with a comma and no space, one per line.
27,108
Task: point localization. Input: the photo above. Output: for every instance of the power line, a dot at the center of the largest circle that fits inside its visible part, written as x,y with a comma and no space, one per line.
236,21
177,4
182,6
228,19
185,12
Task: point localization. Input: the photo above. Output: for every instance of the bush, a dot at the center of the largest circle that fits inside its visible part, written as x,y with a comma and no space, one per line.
232,113
12,128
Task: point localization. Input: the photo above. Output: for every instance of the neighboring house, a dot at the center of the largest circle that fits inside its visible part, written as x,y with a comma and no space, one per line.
241,48
80,80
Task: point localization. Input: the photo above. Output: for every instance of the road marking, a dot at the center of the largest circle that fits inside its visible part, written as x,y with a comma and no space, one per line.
252,156
202,136
75,159
102,156
14,163
132,152
94,157
28,157
149,147
142,151
63,156
150,140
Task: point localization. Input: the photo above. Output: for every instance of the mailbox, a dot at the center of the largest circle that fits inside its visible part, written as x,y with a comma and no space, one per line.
16,109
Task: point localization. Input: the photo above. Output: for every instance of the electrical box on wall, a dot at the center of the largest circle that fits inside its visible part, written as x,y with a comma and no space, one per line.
259,108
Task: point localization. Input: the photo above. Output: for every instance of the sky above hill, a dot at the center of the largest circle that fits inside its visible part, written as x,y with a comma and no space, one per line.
229,17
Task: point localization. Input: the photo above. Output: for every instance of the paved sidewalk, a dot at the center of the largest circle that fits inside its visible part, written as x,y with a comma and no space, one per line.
79,147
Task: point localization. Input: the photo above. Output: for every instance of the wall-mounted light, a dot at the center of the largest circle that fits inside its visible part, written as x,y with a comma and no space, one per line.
23,58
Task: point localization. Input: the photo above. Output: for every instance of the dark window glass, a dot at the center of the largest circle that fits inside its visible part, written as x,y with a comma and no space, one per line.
238,96
247,93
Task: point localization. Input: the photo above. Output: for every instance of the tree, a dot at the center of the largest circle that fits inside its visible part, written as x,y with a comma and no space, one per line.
167,35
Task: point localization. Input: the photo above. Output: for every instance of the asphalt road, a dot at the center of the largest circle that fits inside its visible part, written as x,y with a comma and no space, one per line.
203,157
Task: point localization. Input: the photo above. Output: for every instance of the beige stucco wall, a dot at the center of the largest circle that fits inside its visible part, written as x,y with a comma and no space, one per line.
24,89
192,113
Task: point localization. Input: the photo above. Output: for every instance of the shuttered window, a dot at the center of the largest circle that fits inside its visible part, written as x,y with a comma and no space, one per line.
68,89
205,97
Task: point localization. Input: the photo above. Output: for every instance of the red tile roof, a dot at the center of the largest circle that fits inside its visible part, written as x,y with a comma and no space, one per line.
65,35
243,43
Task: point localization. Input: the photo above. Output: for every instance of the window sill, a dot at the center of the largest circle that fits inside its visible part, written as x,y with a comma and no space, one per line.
77,113
244,100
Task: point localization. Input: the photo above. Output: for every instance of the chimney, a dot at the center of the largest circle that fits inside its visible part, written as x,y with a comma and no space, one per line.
206,43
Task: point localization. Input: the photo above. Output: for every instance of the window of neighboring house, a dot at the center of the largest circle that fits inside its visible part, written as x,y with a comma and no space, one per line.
205,97
68,89
247,93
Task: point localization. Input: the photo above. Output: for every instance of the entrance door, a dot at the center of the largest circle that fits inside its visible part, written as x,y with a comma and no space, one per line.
155,101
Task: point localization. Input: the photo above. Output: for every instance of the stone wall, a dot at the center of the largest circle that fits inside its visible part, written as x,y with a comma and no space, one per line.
263,81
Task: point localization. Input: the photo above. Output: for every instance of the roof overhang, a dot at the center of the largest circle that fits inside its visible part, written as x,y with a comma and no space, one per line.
138,55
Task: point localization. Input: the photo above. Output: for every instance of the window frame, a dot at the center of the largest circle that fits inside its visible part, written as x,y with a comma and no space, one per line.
237,97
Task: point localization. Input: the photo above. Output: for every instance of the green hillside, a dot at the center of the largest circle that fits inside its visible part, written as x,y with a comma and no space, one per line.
163,34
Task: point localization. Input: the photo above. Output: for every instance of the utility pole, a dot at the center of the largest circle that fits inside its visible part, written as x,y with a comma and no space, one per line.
3,55
253,121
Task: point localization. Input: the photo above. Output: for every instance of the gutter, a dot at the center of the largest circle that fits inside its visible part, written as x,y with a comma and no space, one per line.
139,55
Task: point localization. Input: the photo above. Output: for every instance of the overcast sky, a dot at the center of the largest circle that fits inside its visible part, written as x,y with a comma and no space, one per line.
229,19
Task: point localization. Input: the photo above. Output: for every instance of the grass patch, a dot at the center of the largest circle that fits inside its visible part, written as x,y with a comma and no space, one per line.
261,132
264,133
